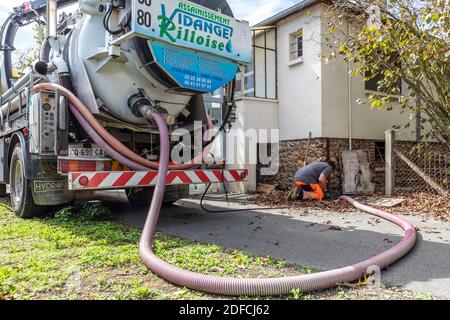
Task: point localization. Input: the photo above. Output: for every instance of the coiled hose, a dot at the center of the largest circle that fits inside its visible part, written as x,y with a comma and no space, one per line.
125,155
232,286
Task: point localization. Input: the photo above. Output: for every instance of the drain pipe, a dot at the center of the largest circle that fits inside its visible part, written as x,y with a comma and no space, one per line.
350,112
233,286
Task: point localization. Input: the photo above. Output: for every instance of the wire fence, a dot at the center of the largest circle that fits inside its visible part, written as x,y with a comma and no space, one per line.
422,167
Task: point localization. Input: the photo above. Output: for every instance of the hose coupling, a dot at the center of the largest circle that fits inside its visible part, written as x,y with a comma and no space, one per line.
40,67
144,107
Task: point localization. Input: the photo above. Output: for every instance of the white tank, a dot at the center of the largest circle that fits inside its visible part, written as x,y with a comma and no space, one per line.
102,80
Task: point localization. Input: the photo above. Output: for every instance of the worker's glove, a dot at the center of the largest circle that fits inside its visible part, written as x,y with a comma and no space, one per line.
294,194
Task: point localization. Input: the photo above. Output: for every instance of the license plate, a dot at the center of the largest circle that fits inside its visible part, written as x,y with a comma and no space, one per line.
86,153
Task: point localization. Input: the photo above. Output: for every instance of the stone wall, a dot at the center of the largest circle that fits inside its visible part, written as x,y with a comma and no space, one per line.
293,152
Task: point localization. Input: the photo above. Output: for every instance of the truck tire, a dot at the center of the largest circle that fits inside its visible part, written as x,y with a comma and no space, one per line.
140,197
20,188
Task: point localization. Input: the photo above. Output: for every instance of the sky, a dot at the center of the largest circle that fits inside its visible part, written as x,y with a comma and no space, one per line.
253,11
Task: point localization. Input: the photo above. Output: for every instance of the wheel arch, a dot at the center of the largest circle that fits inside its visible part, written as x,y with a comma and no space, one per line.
17,138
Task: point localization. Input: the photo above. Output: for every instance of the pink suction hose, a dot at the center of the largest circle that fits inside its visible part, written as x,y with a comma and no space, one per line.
219,285
97,130
259,287
102,144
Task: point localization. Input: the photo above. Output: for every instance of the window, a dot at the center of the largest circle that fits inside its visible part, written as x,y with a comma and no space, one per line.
215,112
213,104
380,147
259,79
296,44
373,83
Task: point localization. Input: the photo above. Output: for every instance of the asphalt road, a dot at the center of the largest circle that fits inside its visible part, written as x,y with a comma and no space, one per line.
309,240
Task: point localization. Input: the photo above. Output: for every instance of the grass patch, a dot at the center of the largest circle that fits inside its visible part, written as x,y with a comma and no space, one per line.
80,254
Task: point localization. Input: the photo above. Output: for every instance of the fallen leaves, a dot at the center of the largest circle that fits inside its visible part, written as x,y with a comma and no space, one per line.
422,204
279,199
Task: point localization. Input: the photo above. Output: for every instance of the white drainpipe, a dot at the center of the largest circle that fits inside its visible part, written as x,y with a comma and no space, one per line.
350,115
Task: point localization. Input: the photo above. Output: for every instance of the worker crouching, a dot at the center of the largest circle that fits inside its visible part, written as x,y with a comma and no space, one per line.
312,181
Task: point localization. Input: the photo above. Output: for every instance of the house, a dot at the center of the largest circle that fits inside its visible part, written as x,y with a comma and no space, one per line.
290,92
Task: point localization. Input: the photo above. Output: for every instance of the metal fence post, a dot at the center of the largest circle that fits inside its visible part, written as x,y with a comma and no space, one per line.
389,162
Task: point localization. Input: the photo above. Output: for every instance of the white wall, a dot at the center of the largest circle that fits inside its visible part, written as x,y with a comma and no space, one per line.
366,123
299,86
314,96
252,113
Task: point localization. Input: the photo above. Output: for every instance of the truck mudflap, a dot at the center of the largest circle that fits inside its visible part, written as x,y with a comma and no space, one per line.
51,192
106,180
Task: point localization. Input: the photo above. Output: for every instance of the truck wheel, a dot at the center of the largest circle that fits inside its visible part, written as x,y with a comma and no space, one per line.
20,188
140,197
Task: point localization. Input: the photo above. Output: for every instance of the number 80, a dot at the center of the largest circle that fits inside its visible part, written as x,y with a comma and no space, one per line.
148,3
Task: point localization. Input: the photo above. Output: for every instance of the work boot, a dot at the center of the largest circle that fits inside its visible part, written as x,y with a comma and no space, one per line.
294,194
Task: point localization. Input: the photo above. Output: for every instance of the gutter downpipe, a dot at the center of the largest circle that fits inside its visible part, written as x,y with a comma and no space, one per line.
350,113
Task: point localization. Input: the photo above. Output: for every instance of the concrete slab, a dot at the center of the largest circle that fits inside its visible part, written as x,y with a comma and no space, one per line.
322,240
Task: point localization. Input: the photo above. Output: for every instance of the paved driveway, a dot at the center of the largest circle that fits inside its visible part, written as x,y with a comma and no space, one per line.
308,240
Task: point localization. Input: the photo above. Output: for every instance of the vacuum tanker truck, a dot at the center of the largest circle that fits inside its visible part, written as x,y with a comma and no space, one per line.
117,89
79,119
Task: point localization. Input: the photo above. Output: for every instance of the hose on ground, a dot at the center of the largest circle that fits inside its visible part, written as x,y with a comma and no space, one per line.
259,287
221,285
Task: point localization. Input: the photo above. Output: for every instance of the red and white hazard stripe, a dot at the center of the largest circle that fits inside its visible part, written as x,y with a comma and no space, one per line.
129,179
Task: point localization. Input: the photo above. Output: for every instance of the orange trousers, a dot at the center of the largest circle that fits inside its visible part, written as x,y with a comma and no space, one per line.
316,194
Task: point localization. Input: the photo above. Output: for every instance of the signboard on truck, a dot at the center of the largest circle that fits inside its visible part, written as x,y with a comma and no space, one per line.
193,70
186,24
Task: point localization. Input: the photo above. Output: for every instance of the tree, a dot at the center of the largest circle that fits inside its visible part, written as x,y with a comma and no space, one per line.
394,41
24,58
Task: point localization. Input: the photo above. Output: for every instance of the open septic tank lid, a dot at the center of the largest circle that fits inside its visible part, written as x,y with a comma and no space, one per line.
190,45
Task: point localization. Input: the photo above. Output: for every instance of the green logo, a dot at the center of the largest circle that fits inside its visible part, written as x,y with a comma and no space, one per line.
196,26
